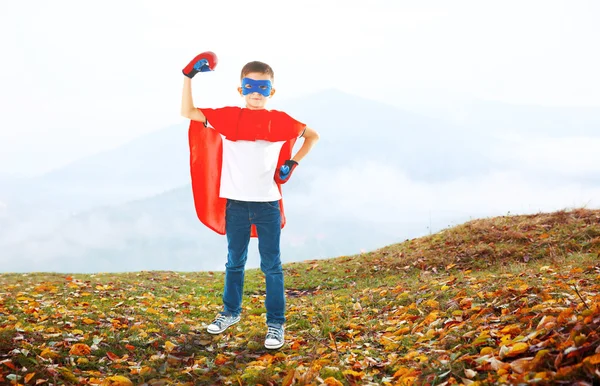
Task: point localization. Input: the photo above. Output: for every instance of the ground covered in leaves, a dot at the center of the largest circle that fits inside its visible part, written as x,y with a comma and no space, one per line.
508,300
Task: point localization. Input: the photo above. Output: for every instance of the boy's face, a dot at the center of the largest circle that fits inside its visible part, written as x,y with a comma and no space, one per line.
255,100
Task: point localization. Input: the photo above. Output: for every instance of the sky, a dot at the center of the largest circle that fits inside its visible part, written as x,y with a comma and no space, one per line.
81,77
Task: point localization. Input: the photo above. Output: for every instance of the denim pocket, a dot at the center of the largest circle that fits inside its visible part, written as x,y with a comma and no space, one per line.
273,204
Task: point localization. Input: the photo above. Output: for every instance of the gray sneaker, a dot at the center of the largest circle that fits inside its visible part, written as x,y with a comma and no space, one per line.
274,338
221,323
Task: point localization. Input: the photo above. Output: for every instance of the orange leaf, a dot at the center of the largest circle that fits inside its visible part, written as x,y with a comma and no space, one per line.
130,347
117,380
268,358
28,377
80,349
220,359
331,381
289,378
593,360
8,363
112,356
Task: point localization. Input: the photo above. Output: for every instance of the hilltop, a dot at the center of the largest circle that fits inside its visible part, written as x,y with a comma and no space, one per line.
510,299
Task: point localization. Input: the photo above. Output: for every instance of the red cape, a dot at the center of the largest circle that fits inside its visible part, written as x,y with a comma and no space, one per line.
206,152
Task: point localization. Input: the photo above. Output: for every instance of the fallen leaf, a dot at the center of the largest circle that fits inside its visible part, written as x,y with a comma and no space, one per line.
80,349
117,380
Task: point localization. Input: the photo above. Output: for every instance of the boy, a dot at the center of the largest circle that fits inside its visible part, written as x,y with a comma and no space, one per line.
239,158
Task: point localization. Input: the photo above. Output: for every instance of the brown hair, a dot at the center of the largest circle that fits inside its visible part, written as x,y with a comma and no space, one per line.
260,67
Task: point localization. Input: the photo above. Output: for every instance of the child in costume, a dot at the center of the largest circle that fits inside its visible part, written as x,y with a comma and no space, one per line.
239,158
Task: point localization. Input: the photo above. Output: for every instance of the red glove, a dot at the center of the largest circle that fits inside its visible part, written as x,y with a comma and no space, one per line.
206,61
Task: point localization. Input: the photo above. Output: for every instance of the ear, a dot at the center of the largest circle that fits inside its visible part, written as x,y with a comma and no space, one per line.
240,91
272,92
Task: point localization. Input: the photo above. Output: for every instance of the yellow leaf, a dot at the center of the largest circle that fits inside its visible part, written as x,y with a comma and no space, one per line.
541,376
48,353
422,358
512,329
117,380
517,349
169,346
432,303
89,321
354,374
486,350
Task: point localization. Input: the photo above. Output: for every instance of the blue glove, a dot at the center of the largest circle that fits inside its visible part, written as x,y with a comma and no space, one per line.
285,171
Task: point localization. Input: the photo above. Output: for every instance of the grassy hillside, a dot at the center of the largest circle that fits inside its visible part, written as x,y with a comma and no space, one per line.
512,299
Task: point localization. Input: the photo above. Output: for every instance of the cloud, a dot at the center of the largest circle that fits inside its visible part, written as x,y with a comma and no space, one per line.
533,175
574,157
375,192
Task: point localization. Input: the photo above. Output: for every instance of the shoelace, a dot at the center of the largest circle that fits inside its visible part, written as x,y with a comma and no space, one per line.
220,320
273,332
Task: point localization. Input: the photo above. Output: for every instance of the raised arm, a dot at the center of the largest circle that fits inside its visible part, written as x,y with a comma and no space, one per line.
187,103
206,61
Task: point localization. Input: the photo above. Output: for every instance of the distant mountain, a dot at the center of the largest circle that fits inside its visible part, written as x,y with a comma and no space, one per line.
148,165
351,128
131,208
163,232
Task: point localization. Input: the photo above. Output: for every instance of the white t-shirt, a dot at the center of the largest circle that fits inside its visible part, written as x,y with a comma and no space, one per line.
248,170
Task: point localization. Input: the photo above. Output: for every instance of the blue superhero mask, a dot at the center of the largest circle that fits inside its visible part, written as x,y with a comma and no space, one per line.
260,86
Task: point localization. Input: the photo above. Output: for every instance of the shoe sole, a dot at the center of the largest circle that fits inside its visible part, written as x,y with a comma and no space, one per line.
220,331
274,347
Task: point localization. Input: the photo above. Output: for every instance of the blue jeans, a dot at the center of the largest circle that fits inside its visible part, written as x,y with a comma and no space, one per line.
266,216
